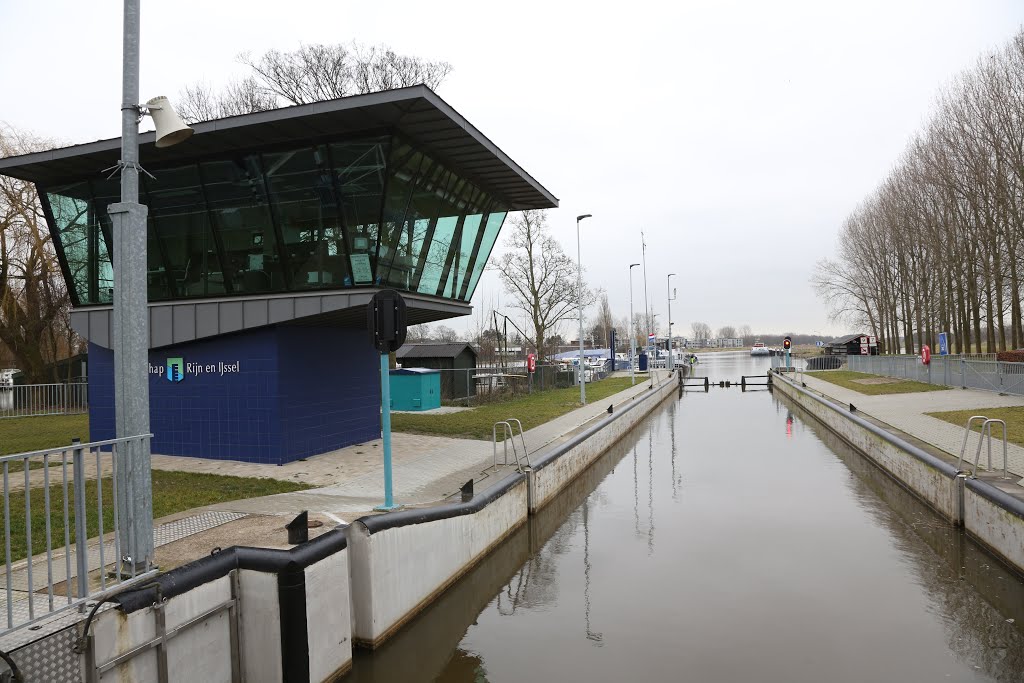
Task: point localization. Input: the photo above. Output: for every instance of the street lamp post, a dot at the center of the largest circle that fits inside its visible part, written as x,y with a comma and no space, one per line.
671,363
647,311
632,330
579,294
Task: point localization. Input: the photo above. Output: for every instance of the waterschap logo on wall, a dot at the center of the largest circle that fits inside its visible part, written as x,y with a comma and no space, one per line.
175,369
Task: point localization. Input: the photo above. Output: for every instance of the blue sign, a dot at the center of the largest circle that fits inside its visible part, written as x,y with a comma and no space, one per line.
943,344
819,343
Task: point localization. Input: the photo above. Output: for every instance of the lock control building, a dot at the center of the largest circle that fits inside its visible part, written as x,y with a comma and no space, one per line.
268,234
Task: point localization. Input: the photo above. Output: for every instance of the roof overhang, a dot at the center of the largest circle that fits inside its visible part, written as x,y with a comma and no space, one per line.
416,112
177,322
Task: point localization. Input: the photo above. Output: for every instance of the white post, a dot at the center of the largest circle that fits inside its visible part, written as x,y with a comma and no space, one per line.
579,294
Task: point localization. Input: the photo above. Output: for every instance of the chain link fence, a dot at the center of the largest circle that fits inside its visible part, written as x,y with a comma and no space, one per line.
969,371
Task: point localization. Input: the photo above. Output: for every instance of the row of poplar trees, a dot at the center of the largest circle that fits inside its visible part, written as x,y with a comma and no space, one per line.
938,246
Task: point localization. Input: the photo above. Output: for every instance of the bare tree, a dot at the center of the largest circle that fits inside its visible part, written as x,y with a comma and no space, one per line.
540,277
311,73
34,302
700,330
727,332
747,334
444,334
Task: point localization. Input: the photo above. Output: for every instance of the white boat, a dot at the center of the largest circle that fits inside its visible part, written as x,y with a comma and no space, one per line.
759,349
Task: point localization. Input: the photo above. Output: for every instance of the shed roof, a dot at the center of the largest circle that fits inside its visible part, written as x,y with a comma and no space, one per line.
427,350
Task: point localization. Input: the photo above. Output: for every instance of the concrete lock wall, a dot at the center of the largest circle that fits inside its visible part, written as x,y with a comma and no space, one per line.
995,519
936,486
293,622
559,467
403,560
197,653
361,586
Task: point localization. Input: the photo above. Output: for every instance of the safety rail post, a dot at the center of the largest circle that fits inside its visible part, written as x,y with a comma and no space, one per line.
81,542
522,438
967,432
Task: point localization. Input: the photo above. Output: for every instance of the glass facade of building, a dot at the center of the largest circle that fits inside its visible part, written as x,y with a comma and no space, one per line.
367,212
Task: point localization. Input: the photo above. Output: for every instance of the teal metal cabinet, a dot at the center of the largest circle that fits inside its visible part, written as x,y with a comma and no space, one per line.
415,389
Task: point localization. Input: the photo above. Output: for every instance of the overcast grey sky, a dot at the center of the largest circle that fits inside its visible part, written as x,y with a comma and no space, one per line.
737,135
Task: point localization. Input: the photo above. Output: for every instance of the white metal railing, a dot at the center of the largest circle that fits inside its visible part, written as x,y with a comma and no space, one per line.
54,500
27,400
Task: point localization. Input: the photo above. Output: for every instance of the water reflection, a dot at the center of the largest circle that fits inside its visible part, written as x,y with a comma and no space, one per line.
782,556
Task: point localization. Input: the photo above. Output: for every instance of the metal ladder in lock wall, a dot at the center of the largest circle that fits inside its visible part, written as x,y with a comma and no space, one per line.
986,431
508,435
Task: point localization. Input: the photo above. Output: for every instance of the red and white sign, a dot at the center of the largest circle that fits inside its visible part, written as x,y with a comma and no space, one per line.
531,362
873,341
926,355
863,349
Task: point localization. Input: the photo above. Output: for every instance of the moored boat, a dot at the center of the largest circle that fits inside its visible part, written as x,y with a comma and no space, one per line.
759,349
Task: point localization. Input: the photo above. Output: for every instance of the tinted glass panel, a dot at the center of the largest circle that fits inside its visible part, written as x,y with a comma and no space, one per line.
360,169
83,243
343,214
240,212
184,261
303,195
490,234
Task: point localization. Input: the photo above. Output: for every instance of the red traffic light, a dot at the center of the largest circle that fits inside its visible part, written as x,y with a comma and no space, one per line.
787,343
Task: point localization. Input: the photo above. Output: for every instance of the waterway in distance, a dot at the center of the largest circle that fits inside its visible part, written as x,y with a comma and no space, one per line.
729,537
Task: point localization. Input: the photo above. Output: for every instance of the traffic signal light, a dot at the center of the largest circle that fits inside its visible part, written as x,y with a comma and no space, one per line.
787,343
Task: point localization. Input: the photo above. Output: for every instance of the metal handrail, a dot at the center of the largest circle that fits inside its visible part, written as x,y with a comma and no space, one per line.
64,469
509,435
967,433
986,428
522,438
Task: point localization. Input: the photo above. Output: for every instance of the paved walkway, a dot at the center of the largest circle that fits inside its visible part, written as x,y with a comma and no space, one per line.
906,412
425,469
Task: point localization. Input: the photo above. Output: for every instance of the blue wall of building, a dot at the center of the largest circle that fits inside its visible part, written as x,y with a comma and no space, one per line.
269,396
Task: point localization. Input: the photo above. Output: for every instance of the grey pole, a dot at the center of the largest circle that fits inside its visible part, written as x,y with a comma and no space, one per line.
632,332
647,310
671,363
131,319
579,294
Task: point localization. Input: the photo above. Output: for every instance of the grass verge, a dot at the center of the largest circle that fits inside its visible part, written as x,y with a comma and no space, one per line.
21,434
172,492
847,379
533,410
1013,416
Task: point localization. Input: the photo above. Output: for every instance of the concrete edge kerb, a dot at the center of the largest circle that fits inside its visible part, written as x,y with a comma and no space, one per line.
575,441
400,518
982,488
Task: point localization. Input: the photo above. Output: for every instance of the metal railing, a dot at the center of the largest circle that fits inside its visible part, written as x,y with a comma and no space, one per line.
986,431
508,435
54,501
29,400
975,371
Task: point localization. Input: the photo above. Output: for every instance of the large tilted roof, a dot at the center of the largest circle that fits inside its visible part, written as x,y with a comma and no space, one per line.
416,112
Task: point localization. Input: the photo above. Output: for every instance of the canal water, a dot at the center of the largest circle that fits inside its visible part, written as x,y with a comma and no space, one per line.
728,538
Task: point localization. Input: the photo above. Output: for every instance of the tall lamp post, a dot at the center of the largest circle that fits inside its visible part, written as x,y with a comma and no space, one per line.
130,311
632,330
671,363
579,295
647,311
